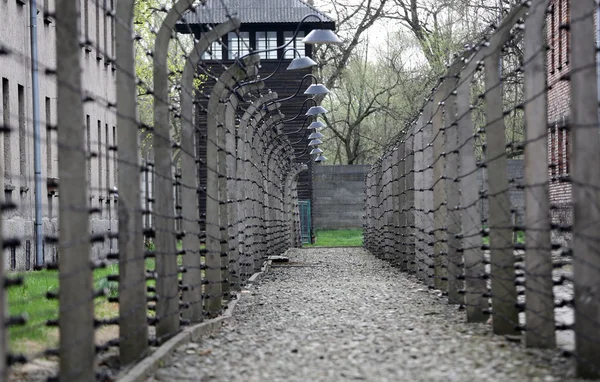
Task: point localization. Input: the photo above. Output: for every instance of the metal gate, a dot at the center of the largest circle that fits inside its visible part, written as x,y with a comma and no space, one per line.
305,223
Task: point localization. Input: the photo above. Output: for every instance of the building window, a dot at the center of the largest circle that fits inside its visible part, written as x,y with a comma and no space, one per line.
48,138
214,52
98,50
99,157
567,31
567,151
112,30
114,134
560,34
22,136
561,151
6,123
267,41
553,153
552,41
86,21
107,158
88,133
238,44
297,44
105,26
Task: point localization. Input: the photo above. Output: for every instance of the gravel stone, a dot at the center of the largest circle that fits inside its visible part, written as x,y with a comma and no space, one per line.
341,314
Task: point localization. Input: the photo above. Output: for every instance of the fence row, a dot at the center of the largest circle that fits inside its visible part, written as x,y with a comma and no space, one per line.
538,278
159,264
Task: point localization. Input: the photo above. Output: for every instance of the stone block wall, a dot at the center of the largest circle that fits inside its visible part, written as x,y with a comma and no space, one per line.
338,196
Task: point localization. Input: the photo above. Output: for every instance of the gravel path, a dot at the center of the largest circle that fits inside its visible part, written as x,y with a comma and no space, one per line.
343,315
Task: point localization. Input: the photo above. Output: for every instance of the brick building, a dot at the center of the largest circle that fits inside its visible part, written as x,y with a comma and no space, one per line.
16,113
559,107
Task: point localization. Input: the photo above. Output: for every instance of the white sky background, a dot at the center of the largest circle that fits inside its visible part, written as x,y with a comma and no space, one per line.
379,36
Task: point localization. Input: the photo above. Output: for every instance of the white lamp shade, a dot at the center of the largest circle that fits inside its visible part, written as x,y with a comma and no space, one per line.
315,142
301,63
321,36
320,158
316,110
317,125
316,151
316,135
316,89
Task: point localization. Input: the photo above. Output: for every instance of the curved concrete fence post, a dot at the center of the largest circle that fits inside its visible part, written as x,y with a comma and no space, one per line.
76,302
539,306
395,206
470,231
216,182
267,165
399,203
133,326
261,189
284,202
409,200
234,184
502,259
288,207
247,133
292,202
282,166
244,189
167,288
297,222
452,219
586,186
192,278
277,143
440,199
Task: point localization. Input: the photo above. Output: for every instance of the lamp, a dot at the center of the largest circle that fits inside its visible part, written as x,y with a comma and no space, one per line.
317,125
316,150
321,36
301,63
316,110
316,135
315,142
316,89
320,158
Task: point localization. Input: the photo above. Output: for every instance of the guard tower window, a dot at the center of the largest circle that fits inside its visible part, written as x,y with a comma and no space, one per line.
238,44
214,52
264,41
297,43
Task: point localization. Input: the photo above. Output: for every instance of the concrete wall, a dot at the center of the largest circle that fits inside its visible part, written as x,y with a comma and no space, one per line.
16,112
339,193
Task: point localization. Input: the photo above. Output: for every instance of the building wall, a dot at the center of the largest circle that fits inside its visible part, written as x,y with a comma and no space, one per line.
16,111
339,193
515,169
559,102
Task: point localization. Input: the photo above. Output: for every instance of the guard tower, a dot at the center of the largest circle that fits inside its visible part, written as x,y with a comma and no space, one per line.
265,24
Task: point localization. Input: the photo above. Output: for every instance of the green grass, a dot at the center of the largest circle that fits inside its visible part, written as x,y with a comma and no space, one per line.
519,240
338,238
29,300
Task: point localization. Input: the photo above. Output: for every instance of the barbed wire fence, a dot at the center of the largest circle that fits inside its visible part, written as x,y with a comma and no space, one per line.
440,202
128,257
